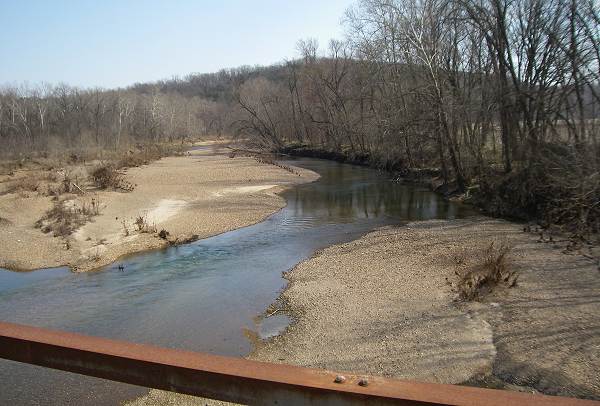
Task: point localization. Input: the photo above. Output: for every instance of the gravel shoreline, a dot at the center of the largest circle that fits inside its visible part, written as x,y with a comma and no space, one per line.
384,304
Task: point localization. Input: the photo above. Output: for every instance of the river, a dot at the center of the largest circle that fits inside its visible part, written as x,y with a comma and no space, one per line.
206,295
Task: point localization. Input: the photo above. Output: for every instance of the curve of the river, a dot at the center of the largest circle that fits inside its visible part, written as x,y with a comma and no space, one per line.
201,296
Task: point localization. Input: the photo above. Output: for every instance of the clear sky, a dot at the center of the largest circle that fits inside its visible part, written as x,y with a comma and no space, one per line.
110,43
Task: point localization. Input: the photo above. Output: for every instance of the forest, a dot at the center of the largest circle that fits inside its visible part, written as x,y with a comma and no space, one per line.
497,101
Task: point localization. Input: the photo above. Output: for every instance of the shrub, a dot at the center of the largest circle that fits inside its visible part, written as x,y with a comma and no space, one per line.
63,219
90,207
491,268
142,224
562,187
106,176
72,181
60,220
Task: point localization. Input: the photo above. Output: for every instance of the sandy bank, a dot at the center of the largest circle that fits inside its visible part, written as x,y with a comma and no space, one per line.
193,196
382,305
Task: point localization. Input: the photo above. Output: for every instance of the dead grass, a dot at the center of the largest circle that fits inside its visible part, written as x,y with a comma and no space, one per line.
144,154
72,180
26,183
46,182
483,272
66,216
107,175
126,231
143,225
53,174
8,167
95,257
90,207
60,220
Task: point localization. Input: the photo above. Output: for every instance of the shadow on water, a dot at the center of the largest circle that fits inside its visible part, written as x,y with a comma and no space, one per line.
201,296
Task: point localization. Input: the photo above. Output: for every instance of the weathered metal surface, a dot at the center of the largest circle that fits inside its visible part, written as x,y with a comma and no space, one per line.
234,379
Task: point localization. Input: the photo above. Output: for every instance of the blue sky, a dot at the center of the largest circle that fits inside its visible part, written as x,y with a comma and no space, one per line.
111,43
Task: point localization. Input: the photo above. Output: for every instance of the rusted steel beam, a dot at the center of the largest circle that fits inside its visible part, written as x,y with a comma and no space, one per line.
234,379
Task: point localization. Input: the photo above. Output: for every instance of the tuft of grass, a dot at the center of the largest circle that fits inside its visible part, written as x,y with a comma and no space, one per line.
96,255
142,224
90,207
63,218
492,267
125,228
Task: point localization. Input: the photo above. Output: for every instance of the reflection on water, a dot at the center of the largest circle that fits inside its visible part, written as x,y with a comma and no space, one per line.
201,296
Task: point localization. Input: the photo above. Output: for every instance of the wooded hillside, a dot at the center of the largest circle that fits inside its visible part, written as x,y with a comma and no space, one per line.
497,98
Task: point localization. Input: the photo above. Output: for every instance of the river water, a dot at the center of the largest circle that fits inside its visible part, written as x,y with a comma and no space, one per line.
206,295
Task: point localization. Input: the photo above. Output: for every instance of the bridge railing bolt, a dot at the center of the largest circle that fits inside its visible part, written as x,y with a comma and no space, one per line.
339,379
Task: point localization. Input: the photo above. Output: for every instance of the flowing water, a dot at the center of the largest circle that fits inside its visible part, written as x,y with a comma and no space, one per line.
206,295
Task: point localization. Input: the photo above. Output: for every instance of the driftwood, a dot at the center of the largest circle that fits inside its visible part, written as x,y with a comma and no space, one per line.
272,313
78,188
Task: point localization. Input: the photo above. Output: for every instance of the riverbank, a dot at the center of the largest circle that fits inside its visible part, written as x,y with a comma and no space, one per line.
384,304
190,197
430,177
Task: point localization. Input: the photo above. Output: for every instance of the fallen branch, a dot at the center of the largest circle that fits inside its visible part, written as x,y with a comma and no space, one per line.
78,188
272,313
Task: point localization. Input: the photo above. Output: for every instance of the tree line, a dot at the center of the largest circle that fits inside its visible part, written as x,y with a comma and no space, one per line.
502,96
54,117
47,117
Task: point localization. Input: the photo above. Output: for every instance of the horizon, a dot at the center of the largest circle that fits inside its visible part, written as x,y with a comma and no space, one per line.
89,45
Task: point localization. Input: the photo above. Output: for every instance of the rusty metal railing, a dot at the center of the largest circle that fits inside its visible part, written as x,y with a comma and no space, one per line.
237,380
